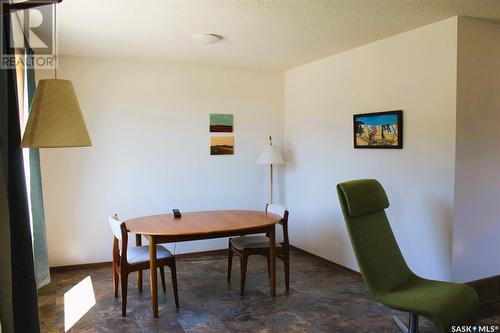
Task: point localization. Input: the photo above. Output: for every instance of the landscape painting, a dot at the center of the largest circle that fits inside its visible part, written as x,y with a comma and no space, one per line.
221,122
222,145
379,130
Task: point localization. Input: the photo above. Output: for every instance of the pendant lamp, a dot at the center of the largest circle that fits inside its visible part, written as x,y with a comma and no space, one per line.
55,119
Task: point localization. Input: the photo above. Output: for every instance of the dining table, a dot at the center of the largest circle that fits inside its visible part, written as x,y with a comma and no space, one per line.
166,228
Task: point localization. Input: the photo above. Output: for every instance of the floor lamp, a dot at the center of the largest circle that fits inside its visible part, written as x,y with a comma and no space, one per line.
270,155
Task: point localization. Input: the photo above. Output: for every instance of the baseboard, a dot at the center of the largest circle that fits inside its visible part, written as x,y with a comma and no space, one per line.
96,265
192,255
329,262
92,265
488,289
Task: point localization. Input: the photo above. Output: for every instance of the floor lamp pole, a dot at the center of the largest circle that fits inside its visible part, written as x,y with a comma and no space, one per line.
271,175
271,185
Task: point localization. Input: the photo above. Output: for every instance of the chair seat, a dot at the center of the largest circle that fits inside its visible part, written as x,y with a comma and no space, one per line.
138,254
251,242
443,302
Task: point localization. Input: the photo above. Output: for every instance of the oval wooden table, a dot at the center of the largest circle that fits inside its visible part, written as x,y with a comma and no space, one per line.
203,225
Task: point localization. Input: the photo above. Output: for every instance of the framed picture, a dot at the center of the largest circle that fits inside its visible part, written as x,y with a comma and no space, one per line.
221,123
222,145
382,130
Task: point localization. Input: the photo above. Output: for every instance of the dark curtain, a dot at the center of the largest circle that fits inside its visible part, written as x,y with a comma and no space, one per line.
23,285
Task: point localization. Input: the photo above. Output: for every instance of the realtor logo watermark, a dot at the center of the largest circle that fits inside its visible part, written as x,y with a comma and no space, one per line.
475,329
33,28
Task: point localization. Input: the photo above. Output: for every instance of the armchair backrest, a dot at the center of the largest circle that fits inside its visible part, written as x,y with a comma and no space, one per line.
283,212
382,265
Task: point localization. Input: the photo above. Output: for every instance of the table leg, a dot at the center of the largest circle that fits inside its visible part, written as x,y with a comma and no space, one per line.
152,272
138,242
272,259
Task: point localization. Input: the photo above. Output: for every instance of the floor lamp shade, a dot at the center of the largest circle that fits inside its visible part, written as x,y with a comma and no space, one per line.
55,118
270,155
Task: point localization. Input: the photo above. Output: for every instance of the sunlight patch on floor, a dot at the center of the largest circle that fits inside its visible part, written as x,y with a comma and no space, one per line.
77,302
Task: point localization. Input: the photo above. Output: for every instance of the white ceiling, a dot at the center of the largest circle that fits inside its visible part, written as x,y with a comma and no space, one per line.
270,34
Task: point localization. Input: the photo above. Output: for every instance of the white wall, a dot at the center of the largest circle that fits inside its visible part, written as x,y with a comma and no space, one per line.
149,126
414,71
476,228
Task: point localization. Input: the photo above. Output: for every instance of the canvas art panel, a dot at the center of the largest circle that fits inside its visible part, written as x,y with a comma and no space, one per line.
222,145
379,130
221,123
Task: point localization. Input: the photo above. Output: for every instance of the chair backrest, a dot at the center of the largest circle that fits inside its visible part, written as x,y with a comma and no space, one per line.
283,212
382,265
115,224
276,209
120,240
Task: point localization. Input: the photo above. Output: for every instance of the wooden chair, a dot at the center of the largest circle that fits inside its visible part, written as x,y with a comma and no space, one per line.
136,259
245,246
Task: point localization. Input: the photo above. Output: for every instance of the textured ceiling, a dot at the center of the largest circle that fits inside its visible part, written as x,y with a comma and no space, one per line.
271,34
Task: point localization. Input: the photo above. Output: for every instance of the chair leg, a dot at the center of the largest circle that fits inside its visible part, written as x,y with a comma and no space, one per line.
400,324
173,270
268,266
139,281
115,281
243,272
287,273
162,274
229,262
412,323
124,281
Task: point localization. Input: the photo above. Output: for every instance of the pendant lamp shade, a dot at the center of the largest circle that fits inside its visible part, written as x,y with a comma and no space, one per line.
270,155
55,119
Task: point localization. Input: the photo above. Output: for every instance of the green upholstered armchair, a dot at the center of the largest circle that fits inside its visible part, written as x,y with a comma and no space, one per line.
384,269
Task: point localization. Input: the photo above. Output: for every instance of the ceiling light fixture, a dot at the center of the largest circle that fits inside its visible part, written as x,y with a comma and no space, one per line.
205,38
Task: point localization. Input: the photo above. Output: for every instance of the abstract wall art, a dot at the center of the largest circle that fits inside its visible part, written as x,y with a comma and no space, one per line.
221,123
222,145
